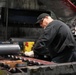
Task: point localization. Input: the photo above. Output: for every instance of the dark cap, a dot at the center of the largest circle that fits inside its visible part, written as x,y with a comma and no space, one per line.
41,16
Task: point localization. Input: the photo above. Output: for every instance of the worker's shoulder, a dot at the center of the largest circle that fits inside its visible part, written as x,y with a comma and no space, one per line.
58,22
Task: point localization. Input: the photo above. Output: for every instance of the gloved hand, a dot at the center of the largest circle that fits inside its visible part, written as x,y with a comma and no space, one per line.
30,54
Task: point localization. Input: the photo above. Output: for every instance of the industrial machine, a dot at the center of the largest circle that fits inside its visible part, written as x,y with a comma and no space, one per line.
12,59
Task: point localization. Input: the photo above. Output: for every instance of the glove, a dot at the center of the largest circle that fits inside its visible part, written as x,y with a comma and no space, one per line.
30,54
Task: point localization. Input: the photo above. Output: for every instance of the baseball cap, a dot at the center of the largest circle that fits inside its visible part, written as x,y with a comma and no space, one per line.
41,16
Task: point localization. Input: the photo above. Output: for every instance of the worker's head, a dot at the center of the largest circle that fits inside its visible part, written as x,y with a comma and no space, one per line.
44,19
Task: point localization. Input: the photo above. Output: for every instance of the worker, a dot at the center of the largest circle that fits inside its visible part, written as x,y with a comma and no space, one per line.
56,41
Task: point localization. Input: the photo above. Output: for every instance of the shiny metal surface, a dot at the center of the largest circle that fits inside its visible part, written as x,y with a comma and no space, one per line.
9,49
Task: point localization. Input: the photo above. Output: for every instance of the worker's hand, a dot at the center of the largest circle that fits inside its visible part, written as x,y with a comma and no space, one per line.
30,54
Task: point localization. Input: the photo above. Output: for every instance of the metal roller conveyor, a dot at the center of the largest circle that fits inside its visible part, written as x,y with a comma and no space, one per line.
9,49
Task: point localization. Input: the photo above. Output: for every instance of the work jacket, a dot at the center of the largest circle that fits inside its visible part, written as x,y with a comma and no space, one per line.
58,42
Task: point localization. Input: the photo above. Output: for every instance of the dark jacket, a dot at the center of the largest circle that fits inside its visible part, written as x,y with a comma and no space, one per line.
58,42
